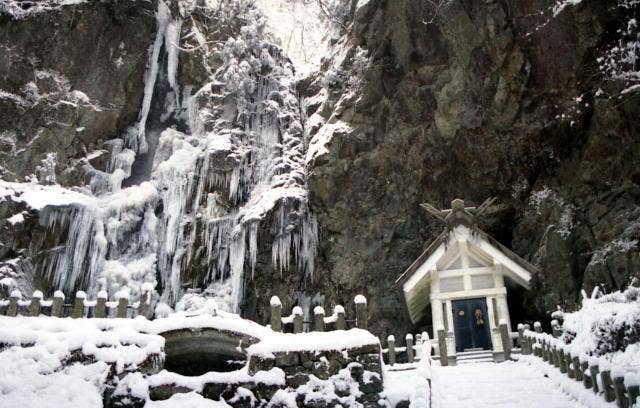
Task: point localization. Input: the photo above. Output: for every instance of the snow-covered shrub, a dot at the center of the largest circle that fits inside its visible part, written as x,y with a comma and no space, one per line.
605,324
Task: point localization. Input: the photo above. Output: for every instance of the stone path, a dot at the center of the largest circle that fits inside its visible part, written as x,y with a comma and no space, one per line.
509,384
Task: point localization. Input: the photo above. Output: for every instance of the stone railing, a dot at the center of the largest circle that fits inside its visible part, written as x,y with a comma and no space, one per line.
609,382
416,348
101,307
321,322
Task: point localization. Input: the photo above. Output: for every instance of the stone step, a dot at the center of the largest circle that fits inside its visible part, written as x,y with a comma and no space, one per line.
477,360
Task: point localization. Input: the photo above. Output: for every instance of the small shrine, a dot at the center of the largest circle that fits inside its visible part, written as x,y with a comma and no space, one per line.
461,275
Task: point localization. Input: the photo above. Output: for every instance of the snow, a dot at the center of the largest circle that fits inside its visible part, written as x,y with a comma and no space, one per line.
508,384
312,341
410,382
37,196
188,400
571,389
360,300
275,301
15,9
33,371
16,219
274,376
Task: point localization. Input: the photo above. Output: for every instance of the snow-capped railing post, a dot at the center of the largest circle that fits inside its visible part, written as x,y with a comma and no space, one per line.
123,302
442,347
297,319
341,321
409,343
78,305
34,307
318,317
58,302
361,311
577,368
537,327
563,361
506,340
101,305
527,340
634,394
391,347
276,313
556,328
521,338
555,353
594,369
569,363
620,392
14,297
607,386
586,378
143,305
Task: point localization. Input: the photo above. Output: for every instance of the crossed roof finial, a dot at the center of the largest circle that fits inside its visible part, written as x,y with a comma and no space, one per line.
458,213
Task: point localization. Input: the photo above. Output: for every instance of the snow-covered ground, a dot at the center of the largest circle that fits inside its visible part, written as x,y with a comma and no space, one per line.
509,384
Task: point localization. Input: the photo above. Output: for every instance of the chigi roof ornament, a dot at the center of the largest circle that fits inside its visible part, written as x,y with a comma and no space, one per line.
459,214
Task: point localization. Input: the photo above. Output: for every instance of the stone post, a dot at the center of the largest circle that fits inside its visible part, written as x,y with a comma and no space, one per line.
14,297
586,378
123,301
318,315
144,303
528,340
442,347
555,328
569,363
619,390
391,347
607,386
361,312
577,368
78,305
409,343
506,340
537,327
554,353
451,348
634,392
521,338
563,361
545,356
101,305
58,302
276,313
297,319
341,321
34,307
594,369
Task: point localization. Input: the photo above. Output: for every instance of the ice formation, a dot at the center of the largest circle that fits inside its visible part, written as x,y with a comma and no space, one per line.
236,163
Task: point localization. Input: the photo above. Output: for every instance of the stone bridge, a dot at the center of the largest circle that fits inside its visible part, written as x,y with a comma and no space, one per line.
195,351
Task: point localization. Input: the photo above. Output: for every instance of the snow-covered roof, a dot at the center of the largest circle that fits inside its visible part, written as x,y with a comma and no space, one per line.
444,251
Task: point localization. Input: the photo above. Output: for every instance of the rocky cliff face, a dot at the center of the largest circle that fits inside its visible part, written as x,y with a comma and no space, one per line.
419,101
477,99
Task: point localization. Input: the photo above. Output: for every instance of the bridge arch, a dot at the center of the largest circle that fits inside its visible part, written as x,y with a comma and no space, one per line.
195,351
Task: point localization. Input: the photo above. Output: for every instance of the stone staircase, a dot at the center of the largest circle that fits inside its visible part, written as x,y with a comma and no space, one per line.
474,356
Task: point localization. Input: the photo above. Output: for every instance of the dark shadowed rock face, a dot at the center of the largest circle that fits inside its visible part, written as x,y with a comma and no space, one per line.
70,78
471,106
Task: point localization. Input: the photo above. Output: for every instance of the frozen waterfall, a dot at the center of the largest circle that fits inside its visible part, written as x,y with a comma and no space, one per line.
203,171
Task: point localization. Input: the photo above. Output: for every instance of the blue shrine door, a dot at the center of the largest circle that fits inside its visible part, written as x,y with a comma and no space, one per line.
471,324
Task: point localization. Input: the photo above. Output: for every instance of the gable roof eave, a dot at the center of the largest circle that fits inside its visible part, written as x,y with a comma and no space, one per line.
424,256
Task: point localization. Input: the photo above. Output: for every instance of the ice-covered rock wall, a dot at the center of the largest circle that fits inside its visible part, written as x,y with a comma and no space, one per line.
202,168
